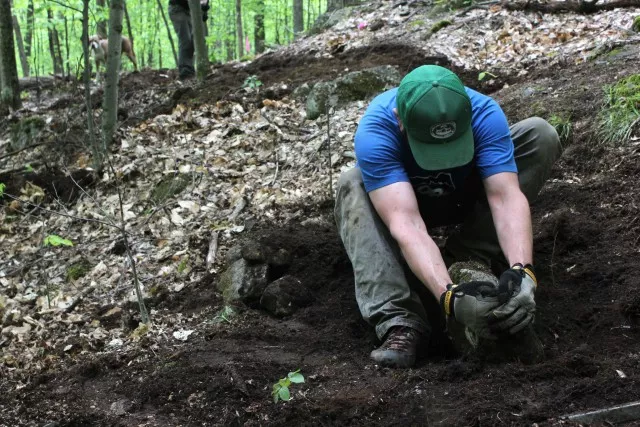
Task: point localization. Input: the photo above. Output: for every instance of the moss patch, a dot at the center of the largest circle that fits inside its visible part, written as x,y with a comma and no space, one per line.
78,270
25,131
440,25
169,186
636,24
621,112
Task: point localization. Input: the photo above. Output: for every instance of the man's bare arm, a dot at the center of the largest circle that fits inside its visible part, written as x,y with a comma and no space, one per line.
397,206
511,217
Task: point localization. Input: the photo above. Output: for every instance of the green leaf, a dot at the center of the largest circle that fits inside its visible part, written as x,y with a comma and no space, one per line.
284,382
482,75
53,240
296,377
284,394
2,187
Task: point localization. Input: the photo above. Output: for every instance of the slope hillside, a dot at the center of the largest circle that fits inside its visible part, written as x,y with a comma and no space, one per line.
205,174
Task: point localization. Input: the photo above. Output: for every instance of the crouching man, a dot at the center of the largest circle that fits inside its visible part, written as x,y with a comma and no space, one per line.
433,152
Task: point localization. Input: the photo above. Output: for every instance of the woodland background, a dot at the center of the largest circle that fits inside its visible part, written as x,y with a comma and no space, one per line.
48,33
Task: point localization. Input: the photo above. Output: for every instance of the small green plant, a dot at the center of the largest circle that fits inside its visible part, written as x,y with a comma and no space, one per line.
54,240
636,24
563,126
281,388
440,25
483,75
184,263
28,168
2,188
224,315
621,112
252,82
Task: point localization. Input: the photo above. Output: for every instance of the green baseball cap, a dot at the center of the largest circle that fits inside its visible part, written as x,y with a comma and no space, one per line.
435,111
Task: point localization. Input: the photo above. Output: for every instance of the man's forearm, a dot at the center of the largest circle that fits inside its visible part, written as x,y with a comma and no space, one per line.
424,259
512,219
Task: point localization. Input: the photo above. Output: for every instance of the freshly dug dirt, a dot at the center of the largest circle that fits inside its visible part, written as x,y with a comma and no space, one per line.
587,238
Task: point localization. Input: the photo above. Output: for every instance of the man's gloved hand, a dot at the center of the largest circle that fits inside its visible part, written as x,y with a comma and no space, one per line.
516,293
471,304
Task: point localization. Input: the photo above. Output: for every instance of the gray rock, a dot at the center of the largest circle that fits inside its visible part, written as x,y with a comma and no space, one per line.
318,99
233,254
121,407
253,252
302,91
329,19
243,281
357,85
284,296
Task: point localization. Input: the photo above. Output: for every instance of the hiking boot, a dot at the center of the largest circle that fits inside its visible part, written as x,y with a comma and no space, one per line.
399,349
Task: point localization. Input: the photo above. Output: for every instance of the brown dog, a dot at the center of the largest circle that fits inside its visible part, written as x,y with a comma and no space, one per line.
100,47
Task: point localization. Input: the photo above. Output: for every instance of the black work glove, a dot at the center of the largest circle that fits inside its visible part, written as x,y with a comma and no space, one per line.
472,305
516,293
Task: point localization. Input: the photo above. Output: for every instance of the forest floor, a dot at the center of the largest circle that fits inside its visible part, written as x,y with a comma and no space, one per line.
586,240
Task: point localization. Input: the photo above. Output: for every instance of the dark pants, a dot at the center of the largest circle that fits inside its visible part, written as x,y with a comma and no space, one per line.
181,19
383,292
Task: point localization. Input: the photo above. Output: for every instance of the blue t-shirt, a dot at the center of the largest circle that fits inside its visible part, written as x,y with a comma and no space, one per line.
384,156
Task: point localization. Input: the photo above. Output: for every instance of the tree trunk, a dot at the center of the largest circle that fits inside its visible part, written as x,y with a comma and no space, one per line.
202,61
97,152
166,24
23,56
101,29
298,18
53,37
66,45
10,88
110,103
29,35
258,27
239,35
128,22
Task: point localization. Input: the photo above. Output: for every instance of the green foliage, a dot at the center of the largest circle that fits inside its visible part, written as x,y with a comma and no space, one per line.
621,112
562,124
55,240
2,188
252,82
28,168
184,263
224,315
440,25
636,24
152,45
281,388
482,75
417,23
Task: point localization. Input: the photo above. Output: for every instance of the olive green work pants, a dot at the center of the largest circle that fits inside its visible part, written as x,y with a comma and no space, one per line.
383,292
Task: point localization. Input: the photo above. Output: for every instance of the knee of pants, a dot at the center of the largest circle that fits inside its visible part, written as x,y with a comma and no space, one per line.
547,139
348,189
349,181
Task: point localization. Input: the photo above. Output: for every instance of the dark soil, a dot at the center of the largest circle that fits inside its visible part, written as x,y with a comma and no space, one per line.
587,237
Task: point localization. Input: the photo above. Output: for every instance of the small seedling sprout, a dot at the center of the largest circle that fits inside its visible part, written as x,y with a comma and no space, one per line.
281,388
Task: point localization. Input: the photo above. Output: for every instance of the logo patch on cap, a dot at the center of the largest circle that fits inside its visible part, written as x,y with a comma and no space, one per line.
443,130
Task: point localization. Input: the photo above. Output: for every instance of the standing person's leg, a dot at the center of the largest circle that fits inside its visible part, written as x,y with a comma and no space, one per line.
537,147
181,19
382,292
